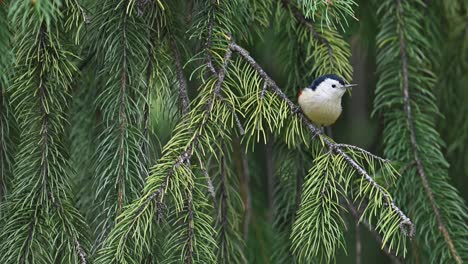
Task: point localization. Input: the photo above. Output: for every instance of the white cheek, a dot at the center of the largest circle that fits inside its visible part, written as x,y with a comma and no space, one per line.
338,91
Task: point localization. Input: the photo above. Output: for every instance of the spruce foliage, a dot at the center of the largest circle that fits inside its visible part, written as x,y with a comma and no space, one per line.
41,223
405,93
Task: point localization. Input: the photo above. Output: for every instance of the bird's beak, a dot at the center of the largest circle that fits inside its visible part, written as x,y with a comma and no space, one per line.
349,86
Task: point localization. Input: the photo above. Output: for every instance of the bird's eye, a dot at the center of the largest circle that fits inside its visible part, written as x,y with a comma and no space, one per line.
333,86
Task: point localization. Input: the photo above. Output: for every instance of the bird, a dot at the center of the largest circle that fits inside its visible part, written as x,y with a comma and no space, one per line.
321,101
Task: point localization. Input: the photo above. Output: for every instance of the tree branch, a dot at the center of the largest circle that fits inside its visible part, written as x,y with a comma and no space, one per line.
223,217
414,145
242,167
183,90
405,222
308,24
186,155
209,42
357,216
236,117
80,252
190,226
347,146
213,71
122,120
209,183
46,133
144,145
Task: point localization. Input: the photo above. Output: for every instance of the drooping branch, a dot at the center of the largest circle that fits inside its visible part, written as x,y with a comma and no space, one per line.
208,44
2,147
405,222
47,149
347,146
144,145
80,252
242,166
190,226
308,24
413,139
209,183
122,120
182,81
240,128
357,216
213,71
223,217
186,155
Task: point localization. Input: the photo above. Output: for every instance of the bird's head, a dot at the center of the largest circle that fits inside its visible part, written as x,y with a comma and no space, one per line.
329,86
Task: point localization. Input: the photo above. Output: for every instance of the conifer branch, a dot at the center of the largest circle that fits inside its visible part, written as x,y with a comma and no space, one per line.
186,155
190,226
182,81
3,146
213,71
208,44
144,159
223,217
122,119
347,146
242,166
27,243
413,140
39,206
358,217
80,252
7,121
406,225
308,24
233,111
209,183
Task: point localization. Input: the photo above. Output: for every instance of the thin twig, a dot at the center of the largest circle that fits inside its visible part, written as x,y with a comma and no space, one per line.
405,222
264,88
308,24
190,227
414,144
236,117
223,216
242,168
25,249
209,183
363,151
213,71
144,145
80,252
3,147
357,216
183,90
209,43
122,120
186,155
